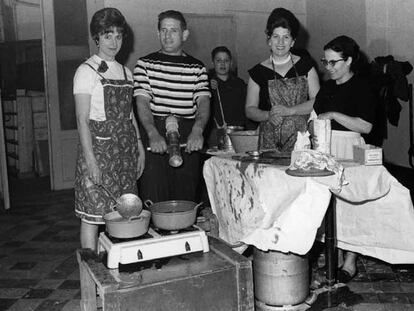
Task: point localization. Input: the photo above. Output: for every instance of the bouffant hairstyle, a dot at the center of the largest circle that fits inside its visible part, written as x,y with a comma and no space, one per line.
281,17
104,20
218,50
347,47
172,14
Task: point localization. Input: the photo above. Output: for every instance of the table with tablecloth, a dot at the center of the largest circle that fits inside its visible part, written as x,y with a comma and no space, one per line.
259,204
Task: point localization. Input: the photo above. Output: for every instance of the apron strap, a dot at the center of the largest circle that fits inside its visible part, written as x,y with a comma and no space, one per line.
95,70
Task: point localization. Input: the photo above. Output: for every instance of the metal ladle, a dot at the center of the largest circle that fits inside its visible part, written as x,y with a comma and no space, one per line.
128,205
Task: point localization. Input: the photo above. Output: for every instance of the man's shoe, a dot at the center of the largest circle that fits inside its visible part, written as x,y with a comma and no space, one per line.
345,277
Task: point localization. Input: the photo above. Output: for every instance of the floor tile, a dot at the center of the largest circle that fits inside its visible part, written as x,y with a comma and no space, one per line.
72,305
38,293
370,297
12,244
5,304
20,283
387,287
70,284
51,305
23,266
25,305
50,283
361,287
65,294
388,277
393,298
13,293
369,307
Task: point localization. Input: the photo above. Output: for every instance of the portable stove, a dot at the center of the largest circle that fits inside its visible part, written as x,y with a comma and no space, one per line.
153,245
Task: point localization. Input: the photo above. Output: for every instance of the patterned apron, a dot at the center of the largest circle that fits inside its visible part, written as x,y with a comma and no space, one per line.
115,147
288,92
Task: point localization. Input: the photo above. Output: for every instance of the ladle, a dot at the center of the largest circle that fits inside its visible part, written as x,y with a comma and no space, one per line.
127,205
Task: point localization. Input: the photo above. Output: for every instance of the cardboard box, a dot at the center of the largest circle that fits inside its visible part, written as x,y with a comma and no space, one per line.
368,154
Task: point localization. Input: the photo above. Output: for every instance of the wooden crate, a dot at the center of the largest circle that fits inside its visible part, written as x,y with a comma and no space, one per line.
219,280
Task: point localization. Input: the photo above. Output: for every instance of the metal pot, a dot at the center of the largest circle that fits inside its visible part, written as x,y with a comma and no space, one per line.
119,227
173,215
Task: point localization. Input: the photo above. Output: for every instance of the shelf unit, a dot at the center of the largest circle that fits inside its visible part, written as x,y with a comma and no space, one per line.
18,130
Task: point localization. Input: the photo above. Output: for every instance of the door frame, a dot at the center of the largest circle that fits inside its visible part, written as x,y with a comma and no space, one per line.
4,183
62,143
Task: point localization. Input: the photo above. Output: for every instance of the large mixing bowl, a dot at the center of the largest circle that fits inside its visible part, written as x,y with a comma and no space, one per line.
244,141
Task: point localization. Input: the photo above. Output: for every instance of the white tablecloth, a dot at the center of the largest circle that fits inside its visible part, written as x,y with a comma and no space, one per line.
261,205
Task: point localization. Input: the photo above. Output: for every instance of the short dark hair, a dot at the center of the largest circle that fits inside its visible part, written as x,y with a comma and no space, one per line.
218,50
104,19
172,14
281,17
347,47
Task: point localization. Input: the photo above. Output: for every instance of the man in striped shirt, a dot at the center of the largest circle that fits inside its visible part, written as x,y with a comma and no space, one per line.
166,82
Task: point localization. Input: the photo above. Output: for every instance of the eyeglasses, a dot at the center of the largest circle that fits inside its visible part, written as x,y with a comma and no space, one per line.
330,62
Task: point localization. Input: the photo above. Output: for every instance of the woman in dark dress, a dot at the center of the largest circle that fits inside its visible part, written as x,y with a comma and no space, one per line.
110,150
282,88
348,101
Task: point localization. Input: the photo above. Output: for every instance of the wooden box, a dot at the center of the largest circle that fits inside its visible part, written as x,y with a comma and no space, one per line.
38,104
368,154
219,280
39,120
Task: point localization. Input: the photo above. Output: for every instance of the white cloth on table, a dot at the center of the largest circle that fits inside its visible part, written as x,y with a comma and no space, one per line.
261,205
255,202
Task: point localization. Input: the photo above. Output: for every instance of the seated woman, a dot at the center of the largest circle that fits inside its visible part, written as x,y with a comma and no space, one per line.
349,102
228,94
282,88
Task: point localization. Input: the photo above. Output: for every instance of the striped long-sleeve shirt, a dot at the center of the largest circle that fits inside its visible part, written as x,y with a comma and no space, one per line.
173,83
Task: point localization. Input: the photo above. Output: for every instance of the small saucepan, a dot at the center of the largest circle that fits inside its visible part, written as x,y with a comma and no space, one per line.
119,227
174,214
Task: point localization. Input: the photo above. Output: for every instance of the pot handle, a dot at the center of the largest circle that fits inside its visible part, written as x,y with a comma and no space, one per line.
198,205
148,203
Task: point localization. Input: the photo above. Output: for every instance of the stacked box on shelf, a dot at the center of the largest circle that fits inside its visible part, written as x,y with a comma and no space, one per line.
10,132
40,133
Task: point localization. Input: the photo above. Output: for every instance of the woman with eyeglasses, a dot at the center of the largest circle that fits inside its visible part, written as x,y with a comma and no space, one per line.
282,88
346,99
349,102
110,150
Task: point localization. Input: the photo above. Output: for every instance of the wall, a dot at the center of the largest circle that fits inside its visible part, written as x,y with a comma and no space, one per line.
390,31
249,17
381,27
328,19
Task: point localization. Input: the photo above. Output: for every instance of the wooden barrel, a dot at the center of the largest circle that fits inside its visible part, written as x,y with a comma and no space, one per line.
280,279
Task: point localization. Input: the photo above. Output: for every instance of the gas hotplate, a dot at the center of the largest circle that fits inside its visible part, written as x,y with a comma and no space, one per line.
153,245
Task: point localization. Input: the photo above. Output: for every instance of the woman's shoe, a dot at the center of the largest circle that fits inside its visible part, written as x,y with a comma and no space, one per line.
344,276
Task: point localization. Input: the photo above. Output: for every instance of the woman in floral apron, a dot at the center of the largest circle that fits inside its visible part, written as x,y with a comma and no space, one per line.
110,149
282,88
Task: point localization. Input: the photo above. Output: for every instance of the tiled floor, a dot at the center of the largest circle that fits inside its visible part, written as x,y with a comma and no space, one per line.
38,268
